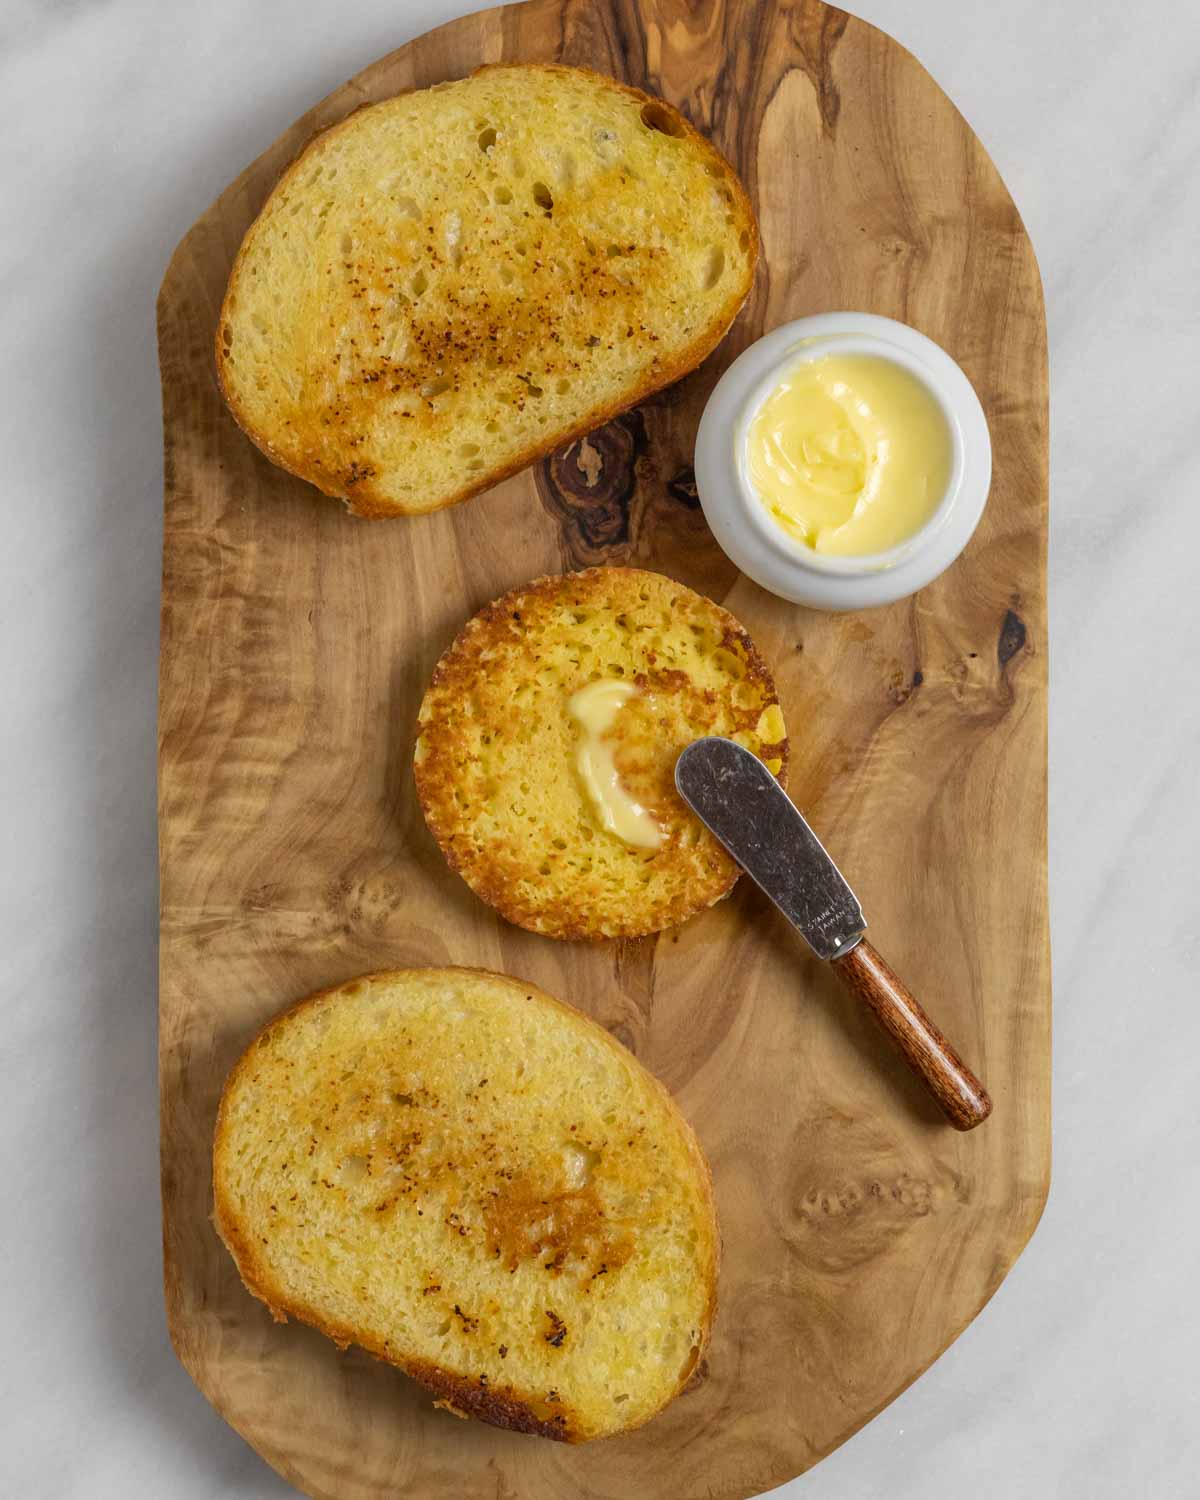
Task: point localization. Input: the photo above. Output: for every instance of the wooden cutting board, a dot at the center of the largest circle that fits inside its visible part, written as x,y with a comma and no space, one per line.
861,1235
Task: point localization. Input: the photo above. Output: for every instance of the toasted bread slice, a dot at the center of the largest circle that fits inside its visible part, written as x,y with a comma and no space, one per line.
476,1183
451,283
496,760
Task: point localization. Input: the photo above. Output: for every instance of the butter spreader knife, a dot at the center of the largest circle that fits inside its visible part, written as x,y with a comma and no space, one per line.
734,795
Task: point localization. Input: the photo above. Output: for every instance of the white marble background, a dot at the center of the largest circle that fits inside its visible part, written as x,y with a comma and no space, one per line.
121,120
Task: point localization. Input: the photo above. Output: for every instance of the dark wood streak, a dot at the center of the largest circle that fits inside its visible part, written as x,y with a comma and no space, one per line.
631,51
586,36
816,32
634,973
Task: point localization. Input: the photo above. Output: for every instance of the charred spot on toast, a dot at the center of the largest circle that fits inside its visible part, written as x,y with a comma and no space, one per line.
555,1229
499,1408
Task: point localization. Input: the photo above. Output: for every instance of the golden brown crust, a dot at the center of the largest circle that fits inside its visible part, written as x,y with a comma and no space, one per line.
365,500
500,1407
494,874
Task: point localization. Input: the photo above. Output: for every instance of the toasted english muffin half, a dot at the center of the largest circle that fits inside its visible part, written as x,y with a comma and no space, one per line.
451,283
478,1184
497,757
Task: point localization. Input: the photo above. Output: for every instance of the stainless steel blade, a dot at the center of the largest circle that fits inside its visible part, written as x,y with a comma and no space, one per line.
733,793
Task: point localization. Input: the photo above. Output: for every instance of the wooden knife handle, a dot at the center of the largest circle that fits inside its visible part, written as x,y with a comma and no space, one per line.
963,1099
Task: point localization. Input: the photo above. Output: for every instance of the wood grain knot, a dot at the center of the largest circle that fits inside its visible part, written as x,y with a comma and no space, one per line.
850,1222
900,686
913,1196
589,486
353,905
1012,638
683,488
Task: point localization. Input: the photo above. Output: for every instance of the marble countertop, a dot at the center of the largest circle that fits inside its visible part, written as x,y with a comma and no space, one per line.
124,118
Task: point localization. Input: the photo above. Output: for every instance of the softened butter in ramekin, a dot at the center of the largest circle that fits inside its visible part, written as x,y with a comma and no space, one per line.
850,453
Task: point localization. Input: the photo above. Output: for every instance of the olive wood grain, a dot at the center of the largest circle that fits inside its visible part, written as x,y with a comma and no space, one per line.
962,1098
860,1237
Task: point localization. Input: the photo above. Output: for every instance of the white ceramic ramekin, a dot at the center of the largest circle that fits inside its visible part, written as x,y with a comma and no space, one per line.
782,563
